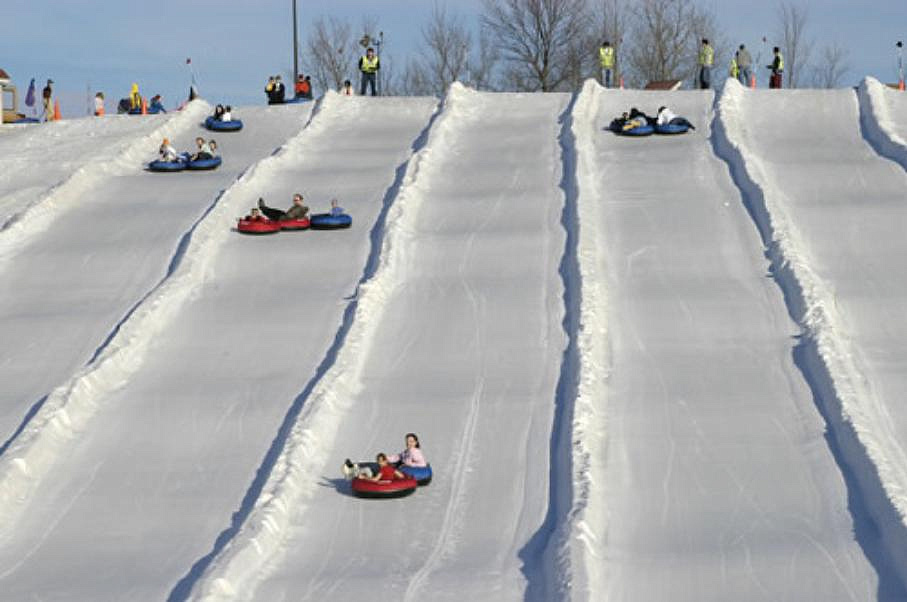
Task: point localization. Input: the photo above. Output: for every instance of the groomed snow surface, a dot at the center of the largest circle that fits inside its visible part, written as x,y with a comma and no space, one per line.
667,368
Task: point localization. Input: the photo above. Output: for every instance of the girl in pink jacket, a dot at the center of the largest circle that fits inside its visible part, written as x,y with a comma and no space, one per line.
412,455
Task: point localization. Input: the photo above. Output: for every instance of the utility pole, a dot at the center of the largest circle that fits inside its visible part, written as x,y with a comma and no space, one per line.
295,47
378,44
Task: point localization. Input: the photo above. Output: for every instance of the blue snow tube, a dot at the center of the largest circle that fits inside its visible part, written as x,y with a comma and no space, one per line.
422,474
643,130
296,100
167,165
326,221
26,120
150,111
234,125
203,164
671,129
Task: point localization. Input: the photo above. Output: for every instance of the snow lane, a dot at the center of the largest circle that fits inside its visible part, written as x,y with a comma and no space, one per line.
73,286
464,348
883,112
35,160
835,211
179,443
713,480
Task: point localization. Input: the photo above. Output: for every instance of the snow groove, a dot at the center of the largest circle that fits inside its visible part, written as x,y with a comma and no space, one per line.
69,408
548,560
877,124
236,571
123,159
857,420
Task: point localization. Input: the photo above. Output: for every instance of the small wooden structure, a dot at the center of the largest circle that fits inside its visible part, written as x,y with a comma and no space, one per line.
668,85
9,99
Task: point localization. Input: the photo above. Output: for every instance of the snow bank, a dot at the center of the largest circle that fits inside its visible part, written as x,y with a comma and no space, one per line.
858,419
584,545
69,408
235,573
879,126
129,156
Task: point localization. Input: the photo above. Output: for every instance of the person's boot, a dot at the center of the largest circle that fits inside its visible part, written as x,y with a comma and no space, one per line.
261,203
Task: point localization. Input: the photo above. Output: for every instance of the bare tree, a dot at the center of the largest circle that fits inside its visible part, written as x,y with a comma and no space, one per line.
330,53
795,47
832,66
483,62
613,17
445,52
538,39
663,32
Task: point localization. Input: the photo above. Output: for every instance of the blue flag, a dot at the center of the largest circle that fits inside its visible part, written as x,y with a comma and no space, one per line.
30,95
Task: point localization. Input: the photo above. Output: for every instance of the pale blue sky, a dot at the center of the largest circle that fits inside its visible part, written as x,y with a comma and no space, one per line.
236,44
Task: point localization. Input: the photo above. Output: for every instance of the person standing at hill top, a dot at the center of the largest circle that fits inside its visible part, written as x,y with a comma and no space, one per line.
744,65
606,59
777,68
135,99
706,60
47,94
369,65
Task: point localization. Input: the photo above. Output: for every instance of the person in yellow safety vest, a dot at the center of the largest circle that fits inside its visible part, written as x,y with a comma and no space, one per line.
777,68
606,57
135,99
734,70
368,65
706,60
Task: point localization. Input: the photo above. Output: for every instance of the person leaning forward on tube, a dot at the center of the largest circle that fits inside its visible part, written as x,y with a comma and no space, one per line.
369,65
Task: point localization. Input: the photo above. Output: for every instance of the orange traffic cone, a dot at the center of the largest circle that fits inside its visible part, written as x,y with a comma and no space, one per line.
144,106
57,116
901,85
621,82
753,81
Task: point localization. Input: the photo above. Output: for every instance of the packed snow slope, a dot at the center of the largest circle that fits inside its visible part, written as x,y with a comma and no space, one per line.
81,257
837,211
642,369
168,457
464,351
715,477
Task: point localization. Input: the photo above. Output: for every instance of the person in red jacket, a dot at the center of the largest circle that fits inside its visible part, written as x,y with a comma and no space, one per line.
386,470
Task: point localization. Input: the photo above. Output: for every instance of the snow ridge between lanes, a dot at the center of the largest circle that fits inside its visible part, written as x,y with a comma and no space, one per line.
858,419
235,573
878,126
69,408
582,546
129,156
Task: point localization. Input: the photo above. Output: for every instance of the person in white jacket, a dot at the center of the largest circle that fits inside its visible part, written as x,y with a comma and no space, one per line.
167,152
668,117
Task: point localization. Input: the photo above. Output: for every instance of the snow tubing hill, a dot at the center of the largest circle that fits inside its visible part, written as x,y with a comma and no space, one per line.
383,489
326,221
258,226
234,125
167,165
204,164
422,474
672,129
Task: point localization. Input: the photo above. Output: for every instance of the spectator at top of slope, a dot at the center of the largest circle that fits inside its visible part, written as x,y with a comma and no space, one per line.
157,105
777,68
706,60
606,60
347,89
744,65
369,64
135,99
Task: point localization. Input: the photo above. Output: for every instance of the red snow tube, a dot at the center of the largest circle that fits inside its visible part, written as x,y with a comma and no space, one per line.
383,489
295,224
258,226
